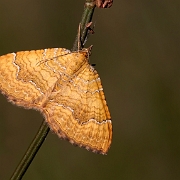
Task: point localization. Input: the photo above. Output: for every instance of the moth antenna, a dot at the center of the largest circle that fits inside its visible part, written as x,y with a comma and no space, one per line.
79,37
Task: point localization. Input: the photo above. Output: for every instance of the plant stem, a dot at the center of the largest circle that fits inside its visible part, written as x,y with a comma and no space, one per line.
31,152
44,129
86,18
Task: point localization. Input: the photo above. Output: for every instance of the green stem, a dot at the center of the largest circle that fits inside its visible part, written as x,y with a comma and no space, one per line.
86,18
31,152
44,129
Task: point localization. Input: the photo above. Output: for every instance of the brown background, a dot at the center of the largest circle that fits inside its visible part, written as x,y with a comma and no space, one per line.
137,54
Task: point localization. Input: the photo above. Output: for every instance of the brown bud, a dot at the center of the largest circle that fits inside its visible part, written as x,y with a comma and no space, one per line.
104,3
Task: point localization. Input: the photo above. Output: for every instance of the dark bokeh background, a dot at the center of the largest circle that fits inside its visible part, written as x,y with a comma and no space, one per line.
137,52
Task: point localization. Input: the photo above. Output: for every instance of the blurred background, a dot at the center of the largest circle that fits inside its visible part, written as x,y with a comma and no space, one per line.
137,54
